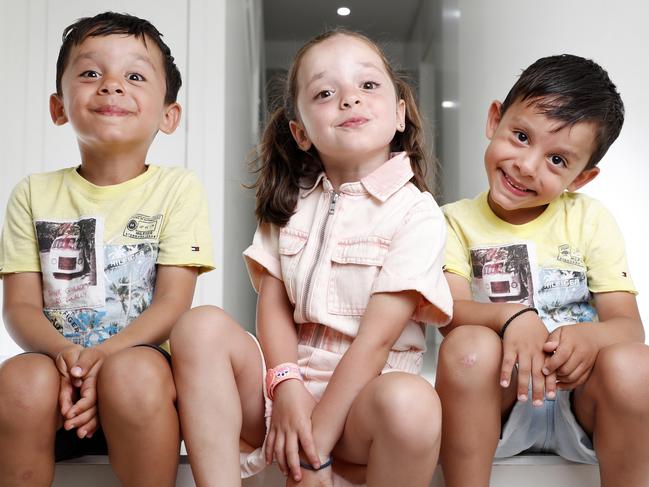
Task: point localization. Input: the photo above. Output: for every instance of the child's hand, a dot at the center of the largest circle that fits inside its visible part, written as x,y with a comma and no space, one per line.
66,359
573,353
321,478
290,427
83,414
523,345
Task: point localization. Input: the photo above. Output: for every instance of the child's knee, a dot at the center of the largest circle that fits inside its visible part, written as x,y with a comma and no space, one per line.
207,325
29,385
409,411
134,384
470,351
622,372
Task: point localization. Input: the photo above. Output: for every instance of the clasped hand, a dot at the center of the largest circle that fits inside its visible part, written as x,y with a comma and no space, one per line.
78,367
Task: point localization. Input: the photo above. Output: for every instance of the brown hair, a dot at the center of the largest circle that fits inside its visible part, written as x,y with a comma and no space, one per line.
283,168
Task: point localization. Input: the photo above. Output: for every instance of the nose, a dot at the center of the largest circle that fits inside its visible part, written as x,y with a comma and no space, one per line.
528,164
349,99
111,85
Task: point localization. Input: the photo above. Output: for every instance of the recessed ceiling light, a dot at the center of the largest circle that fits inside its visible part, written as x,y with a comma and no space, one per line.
449,104
343,11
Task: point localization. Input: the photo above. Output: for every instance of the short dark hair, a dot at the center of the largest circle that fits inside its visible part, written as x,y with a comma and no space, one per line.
572,89
108,23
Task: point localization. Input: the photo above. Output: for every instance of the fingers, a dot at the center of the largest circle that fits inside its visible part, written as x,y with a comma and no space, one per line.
538,381
66,395
308,446
84,422
560,357
293,456
551,386
280,454
270,445
524,372
576,376
509,359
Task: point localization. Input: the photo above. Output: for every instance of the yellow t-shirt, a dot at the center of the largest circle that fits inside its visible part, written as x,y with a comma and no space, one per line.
553,262
97,246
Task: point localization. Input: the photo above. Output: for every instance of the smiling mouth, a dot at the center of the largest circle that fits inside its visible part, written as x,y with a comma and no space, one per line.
516,186
354,122
111,111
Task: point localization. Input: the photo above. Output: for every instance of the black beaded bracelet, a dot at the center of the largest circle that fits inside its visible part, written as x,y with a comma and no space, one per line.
308,466
513,317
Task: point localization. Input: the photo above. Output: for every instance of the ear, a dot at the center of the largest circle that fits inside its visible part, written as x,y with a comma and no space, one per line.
585,177
57,110
493,118
170,118
401,116
299,135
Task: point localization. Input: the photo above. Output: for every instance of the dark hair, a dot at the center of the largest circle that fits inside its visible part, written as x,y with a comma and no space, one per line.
109,23
283,168
572,89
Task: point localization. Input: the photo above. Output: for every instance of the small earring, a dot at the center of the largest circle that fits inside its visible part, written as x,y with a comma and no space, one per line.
401,126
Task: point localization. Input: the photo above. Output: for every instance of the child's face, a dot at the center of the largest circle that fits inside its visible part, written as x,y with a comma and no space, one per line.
113,92
529,162
346,102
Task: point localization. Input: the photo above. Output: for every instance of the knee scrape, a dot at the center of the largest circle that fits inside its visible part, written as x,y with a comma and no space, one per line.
470,359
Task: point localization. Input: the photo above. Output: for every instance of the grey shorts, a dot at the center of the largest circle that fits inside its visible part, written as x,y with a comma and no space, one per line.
551,428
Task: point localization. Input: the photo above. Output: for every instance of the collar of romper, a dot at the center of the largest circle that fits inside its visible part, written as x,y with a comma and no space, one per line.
381,183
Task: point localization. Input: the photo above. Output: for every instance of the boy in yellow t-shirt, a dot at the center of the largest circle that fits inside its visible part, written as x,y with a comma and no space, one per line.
98,262
543,302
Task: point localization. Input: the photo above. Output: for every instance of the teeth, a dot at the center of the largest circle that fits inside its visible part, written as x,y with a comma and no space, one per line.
515,185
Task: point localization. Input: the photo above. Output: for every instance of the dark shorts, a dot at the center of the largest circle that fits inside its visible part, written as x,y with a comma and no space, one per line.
68,445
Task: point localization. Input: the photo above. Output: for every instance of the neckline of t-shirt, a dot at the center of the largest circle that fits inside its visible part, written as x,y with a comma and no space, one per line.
106,192
524,228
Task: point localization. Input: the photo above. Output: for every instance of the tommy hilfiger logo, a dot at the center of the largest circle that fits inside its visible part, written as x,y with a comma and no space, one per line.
143,227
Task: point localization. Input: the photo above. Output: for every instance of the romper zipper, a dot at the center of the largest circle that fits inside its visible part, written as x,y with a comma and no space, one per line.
321,238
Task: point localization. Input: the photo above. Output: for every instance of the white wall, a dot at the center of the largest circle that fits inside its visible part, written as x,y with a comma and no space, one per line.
205,36
488,44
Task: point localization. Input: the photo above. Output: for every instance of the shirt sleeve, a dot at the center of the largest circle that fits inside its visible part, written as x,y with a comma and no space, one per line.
456,259
186,236
263,255
18,245
606,263
414,262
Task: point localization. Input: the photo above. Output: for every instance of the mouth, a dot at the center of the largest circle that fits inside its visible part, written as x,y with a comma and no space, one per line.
514,186
111,111
353,122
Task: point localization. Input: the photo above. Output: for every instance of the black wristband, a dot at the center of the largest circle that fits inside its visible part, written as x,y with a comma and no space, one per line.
513,317
308,466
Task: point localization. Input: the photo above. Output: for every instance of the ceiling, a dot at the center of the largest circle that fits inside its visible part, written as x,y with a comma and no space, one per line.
291,20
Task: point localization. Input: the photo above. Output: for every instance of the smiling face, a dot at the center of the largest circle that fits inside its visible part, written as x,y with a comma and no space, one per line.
346,103
531,159
113,92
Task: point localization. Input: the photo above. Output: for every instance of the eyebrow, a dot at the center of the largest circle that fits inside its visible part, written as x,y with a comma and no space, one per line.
93,54
322,74
568,153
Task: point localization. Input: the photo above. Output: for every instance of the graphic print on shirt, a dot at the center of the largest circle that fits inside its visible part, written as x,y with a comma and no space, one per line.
503,274
510,273
91,291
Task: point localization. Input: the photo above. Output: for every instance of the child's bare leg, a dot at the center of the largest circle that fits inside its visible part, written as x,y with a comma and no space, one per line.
472,399
218,373
394,426
612,406
136,406
29,416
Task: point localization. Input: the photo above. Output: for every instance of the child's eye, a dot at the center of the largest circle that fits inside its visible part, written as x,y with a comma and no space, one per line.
325,94
370,85
90,74
557,160
135,77
521,137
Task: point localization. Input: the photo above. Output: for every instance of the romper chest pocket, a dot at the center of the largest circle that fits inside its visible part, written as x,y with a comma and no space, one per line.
355,264
291,245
